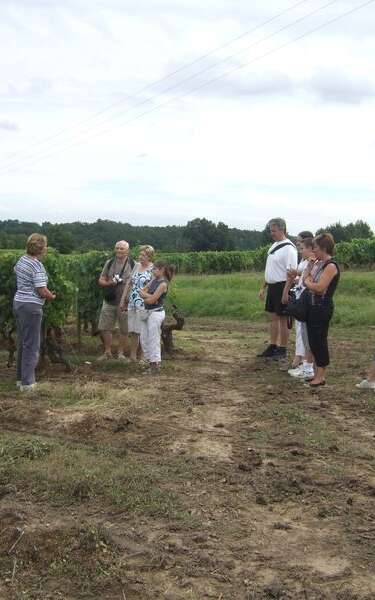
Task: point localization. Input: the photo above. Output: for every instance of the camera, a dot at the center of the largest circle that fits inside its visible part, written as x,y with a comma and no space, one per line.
117,279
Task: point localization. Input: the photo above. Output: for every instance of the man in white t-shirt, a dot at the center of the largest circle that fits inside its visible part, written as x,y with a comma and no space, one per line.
281,256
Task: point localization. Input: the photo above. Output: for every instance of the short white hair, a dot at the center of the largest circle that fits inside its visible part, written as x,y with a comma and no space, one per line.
122,242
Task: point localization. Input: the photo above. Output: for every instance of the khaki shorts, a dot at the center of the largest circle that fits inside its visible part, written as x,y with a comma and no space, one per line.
109,315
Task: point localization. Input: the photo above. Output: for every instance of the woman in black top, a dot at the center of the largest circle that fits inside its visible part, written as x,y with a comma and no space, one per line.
321,280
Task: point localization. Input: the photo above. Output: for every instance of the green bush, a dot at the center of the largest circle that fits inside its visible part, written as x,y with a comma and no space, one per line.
55,313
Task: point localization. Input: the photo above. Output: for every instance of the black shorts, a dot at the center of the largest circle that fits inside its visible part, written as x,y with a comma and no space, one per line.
273,299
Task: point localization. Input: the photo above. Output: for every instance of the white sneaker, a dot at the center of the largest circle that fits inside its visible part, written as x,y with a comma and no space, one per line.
308,373
296,372
19,383
104,356
366,385
27,388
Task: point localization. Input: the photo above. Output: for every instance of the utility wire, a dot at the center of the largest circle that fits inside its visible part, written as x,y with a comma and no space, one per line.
229,72
176,85
162,79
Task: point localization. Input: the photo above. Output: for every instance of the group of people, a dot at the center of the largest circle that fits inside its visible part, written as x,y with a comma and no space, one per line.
315,278
134,294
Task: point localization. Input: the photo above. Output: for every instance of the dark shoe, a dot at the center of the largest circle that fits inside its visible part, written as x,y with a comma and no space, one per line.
269,352
279,354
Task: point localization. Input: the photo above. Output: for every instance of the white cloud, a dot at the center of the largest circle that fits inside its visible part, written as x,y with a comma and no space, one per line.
291,134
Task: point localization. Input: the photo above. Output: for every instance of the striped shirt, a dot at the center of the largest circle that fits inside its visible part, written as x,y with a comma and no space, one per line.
30,275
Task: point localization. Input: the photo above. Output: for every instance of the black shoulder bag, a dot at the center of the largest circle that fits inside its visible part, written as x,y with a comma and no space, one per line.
298,308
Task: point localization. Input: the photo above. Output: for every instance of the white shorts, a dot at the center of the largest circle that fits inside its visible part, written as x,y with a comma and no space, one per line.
134,321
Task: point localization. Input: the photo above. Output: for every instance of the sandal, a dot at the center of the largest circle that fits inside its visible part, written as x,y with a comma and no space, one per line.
316,385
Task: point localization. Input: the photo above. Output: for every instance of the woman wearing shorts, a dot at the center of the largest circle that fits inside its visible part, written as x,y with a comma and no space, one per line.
131,299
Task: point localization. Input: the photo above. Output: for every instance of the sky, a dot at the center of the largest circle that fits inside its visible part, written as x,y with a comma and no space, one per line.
101,115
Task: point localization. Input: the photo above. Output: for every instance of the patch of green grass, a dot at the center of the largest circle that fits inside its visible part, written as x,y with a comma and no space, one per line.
7,386
309,429
65,474
235,295
13,449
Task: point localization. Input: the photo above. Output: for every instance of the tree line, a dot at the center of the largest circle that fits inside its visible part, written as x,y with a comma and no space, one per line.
196,236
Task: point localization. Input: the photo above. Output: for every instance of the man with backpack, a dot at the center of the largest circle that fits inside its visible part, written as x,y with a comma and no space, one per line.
281,257
113,279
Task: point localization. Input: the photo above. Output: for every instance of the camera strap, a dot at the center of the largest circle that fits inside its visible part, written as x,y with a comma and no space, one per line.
123,268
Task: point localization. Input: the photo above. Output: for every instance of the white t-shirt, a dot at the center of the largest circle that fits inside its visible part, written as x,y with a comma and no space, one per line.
280,261
299,287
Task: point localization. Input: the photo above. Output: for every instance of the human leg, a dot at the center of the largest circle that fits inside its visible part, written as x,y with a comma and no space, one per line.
300,348
107,322
134,343
283,331
19,344
30,321
274,329
317,329
123,345
155,322
144,339
107,338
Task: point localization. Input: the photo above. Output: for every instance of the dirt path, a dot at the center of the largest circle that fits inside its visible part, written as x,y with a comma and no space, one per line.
221,479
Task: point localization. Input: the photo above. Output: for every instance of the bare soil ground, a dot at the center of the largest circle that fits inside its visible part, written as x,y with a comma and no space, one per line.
221,479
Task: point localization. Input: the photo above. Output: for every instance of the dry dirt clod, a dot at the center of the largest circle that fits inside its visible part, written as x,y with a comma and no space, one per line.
282,526
261,500
245,467
122,424
274,591
82,490
7,489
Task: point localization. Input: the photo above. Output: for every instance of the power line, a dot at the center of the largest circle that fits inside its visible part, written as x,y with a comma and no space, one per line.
229,72
176,85
162,79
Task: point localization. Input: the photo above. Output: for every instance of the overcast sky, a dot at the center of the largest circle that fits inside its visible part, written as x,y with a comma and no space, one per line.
292,134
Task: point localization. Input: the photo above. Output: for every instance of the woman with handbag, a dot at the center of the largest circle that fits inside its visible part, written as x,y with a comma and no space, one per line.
321,280
302,366
131,300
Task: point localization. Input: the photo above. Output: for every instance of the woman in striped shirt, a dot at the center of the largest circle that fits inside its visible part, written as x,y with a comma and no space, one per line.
32,292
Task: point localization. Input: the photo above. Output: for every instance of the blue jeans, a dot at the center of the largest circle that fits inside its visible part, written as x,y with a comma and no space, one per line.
29,320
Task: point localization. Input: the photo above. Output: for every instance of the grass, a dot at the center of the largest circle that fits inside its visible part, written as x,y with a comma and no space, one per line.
64,474
236,296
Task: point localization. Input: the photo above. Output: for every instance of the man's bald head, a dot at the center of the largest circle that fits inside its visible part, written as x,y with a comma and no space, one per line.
122,249
122,244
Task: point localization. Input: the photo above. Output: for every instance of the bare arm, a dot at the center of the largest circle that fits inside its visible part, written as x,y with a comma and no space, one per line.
152,298
125,293
320,287
45,293
288,284
104,281
262,290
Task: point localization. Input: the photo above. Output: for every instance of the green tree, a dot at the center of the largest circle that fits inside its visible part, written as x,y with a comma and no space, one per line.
202,235
346,233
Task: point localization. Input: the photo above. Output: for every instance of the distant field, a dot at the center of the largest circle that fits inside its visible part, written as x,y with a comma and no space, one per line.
236,296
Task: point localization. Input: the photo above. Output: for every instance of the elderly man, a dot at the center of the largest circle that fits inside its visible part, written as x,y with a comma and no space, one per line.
113,278
282,256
